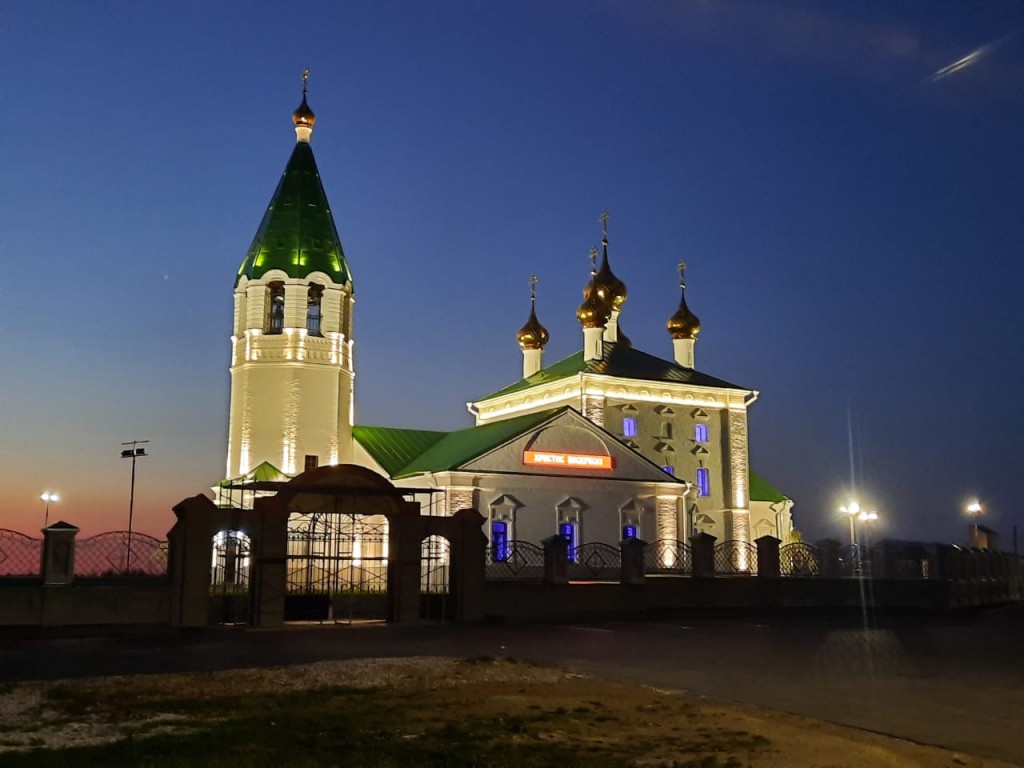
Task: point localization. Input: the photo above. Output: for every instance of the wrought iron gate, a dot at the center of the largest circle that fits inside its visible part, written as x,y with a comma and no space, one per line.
337,567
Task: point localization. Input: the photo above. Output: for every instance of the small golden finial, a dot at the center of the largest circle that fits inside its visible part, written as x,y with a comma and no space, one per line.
682,274
593,260
533,289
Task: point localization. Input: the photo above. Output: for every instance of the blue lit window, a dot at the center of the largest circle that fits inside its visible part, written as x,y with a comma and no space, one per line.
670,469
700,433
703,482
569,532
629,532
499,541
629,427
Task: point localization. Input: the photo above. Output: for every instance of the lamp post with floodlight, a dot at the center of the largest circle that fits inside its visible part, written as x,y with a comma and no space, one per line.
132,453
973,511
50,498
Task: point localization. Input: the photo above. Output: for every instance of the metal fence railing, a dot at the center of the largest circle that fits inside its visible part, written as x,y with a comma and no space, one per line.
20,555
118,554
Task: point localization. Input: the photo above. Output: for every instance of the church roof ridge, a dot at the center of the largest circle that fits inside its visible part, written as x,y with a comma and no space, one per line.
619,361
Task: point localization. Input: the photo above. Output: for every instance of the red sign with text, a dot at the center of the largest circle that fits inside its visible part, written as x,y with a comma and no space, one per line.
567,460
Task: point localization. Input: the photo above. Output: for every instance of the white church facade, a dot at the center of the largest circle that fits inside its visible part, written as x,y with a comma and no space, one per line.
609,443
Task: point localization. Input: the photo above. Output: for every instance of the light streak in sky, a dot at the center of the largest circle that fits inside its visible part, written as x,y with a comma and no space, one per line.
971,58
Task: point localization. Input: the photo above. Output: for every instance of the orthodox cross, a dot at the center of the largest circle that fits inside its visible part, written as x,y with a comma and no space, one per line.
305,80
682,274
533,289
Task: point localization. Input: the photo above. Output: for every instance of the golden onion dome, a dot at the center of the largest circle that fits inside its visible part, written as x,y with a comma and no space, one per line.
595,310
303,116
533,335
611,289
683,324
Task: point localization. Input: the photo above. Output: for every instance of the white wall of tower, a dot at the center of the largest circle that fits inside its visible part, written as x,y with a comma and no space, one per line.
291,381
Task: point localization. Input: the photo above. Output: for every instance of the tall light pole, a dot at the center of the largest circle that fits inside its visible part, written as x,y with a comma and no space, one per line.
973,510
50,498
852,510
132,453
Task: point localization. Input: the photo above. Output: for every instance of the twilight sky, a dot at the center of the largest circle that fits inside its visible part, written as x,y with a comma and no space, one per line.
854,226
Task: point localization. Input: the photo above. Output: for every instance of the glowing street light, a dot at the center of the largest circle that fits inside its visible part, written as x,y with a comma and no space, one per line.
852,510
856,514
973,510
50,498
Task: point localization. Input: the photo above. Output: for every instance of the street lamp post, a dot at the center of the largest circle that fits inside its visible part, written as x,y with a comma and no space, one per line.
50,498
973,511
856,515
132,453
852,510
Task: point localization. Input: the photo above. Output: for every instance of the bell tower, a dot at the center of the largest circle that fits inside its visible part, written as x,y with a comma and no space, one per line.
291,343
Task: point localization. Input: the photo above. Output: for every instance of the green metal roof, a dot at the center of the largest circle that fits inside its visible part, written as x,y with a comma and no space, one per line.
762,490
456,448
297,233
620,361
262,472
394,448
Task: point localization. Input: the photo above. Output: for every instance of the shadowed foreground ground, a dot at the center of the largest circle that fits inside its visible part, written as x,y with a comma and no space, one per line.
957,684
423,711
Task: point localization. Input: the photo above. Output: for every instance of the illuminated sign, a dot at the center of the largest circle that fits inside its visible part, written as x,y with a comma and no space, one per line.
567,460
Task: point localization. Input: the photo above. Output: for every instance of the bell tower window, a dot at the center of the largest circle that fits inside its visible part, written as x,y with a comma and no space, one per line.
313,299
275,310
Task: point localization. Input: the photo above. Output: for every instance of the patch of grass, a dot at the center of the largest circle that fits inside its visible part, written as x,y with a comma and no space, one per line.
475,722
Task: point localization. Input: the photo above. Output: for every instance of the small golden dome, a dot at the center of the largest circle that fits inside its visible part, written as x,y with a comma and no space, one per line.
611,289
303,116
533,335
683,324
594,311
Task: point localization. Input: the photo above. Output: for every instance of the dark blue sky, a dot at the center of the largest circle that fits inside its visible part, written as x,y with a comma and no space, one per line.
854,231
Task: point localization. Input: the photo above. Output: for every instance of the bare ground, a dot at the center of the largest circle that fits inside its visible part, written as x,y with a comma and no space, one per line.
642,725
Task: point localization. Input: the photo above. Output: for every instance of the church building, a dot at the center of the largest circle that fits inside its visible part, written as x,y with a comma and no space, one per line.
606,444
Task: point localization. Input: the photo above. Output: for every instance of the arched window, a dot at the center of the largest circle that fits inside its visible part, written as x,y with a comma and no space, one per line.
275,307
313,298
703,482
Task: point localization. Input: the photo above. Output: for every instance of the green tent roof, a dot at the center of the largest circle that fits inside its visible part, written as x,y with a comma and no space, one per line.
394,448
297,233
264,472
762,490
620,361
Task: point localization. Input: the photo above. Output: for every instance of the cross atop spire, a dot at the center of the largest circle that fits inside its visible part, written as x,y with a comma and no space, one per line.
593,260
682,274
533,289
305,81
604,225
